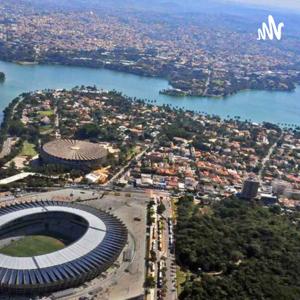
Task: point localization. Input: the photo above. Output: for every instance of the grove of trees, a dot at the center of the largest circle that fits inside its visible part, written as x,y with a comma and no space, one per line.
239,250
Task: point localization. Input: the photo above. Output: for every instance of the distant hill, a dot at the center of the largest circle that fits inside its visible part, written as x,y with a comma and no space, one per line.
166,6
214,6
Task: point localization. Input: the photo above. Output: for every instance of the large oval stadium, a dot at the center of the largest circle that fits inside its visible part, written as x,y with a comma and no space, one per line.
74,153
94,240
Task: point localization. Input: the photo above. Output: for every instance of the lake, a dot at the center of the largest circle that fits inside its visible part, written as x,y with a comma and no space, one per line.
258,106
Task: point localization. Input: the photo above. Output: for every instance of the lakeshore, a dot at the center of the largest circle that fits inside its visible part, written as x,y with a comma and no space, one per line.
257,106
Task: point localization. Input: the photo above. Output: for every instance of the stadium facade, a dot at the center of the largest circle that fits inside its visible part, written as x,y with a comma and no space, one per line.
74,154
94,238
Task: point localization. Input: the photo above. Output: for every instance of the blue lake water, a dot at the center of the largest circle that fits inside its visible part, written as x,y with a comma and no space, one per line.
258,106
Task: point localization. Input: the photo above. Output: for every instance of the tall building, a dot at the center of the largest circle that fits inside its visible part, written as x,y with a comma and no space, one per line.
250,188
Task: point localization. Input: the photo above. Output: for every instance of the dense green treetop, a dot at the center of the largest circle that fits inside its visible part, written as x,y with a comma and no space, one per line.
238,251
2,77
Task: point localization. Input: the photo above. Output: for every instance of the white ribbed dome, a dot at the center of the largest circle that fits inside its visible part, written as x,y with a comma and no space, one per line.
74,150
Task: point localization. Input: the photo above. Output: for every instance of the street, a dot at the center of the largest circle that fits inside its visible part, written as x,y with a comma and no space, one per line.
165,269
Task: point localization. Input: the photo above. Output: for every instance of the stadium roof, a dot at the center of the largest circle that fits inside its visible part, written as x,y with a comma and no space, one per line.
74,150
91,239
87,257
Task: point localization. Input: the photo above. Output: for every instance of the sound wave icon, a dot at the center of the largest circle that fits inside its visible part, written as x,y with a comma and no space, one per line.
270,30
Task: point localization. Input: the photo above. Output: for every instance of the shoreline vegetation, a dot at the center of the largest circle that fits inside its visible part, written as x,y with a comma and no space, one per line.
177,89
5,126
8,122
2,77
27,139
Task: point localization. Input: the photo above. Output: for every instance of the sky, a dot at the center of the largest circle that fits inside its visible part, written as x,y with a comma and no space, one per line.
214,6
286,4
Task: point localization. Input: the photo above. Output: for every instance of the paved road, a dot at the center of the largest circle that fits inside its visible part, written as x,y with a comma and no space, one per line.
128,284
116,176
207,83
8,143
170,258
137,158
267,158
16,178
171,268
6,147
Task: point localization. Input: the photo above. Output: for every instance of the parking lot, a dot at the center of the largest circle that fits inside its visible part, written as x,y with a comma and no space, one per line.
131,209
125,279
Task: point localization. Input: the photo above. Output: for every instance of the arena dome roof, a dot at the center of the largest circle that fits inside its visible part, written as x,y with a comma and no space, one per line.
74,150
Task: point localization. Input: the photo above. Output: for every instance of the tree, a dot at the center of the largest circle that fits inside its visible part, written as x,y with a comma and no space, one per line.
244,242
88,131
16,128
2,77
161,208
150,282
153,257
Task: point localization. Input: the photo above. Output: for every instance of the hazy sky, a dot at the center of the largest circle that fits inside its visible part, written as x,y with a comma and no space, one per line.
288,4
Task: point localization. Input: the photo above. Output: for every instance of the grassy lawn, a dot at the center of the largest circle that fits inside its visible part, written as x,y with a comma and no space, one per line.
28,149
132,152
47,113
174,207
32,246
180,279
46,129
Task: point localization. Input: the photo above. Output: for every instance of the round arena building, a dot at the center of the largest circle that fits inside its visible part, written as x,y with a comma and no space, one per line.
74,154
93,239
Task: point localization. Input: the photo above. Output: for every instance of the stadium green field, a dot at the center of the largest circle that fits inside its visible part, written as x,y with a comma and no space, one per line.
32,246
